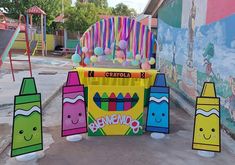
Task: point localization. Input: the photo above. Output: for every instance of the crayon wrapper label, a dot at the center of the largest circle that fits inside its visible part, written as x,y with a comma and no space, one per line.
73,89
207,125
208,101
27,125
74,113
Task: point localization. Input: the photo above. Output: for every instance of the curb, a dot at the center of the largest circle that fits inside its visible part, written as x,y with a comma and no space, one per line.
44,104
227,141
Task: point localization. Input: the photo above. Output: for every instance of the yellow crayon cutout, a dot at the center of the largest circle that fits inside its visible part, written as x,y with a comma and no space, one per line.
207,135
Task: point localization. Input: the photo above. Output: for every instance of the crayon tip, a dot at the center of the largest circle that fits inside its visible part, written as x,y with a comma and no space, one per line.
112,95
208,90
28,86
97,95
120,95
160,80
73,78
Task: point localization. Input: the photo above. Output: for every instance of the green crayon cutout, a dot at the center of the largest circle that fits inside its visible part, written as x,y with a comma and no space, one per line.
27,120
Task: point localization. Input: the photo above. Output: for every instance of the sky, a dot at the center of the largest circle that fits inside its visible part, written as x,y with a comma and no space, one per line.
138,5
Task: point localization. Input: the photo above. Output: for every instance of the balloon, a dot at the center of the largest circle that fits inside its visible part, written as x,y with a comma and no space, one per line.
122,44
120,54
110,57
76,58
143,60
93,59
107,51
145,66
138,57
99,51
87,61
120,60
135,63
152,61
101,58
125,63
84,49
129,55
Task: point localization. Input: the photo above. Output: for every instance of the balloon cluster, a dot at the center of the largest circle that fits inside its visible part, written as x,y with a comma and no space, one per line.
124,57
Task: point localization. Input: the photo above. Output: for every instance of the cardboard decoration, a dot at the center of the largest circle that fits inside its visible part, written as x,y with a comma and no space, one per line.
158,115
74,117
115,111
207,136
27,120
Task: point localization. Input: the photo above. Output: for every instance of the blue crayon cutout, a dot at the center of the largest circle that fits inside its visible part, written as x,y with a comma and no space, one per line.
158,109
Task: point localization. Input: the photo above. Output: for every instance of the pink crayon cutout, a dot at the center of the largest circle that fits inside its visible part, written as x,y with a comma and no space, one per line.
127,104
74,109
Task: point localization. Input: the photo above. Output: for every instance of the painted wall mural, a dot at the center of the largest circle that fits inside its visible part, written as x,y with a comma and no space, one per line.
200,48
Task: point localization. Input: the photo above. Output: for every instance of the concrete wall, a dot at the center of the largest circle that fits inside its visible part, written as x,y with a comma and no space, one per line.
199,46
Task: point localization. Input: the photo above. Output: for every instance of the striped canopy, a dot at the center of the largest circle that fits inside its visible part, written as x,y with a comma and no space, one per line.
106,32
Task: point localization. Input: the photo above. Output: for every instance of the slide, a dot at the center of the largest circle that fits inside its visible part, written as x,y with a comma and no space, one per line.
33,45
8,38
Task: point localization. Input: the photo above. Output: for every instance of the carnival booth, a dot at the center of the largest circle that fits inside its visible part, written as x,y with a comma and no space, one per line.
115,96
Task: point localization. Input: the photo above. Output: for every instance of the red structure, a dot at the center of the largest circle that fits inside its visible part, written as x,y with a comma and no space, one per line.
9,31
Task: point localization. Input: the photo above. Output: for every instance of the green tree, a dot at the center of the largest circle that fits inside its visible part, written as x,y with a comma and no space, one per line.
122,10
16,7
81,17
103,4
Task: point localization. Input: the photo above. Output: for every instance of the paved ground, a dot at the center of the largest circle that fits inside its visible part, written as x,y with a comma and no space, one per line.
175,149
47,84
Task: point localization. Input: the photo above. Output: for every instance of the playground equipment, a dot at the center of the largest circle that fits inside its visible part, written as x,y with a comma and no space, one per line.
40,44
120,39
9,31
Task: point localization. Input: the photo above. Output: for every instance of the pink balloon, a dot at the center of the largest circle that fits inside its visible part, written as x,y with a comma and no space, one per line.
145,66
120,54
101,58
123,44
107,51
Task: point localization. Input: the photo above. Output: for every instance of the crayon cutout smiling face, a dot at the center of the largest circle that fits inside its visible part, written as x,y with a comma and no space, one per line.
207,130
158,114
74,116
27,130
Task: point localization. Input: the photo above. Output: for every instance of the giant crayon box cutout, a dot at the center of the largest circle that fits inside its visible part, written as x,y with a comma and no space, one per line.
207,120
158,115
74,118
27,120
115,111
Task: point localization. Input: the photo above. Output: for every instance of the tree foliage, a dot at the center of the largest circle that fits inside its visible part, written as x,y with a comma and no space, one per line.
122,10
81,17
16,7
103,4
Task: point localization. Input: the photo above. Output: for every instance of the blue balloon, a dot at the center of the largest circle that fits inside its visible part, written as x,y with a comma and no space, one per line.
129,55
143,60
135,62
99,51
76,58
87,61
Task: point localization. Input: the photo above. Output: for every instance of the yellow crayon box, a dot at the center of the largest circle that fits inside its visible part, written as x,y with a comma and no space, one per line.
207,136
115,110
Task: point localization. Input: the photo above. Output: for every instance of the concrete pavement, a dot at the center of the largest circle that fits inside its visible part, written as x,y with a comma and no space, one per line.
175,149
49,73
